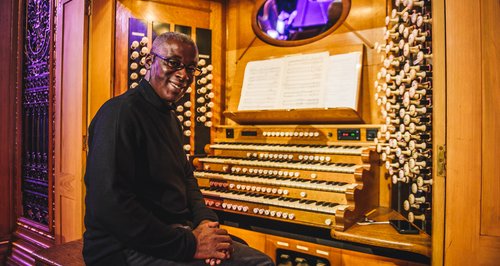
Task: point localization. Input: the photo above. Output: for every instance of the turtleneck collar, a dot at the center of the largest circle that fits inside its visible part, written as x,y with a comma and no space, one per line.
152,97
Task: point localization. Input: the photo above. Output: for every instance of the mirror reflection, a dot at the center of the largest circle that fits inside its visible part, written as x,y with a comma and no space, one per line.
290,20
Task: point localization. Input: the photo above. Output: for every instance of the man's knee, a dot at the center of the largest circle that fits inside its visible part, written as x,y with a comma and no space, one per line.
245,255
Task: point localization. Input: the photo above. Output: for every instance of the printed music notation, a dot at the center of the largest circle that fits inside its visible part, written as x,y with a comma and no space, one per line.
315,80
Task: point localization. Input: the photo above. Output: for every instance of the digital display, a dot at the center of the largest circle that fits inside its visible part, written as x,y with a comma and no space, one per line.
248,133
348,134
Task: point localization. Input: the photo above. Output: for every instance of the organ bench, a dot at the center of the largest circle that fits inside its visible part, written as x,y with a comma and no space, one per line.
67,254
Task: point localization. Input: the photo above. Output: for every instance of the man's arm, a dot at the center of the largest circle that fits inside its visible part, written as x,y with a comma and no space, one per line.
197,205
207,231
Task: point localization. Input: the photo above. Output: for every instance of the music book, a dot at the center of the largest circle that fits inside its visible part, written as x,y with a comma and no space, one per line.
317,80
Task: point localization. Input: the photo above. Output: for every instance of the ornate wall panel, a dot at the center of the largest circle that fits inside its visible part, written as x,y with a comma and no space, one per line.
35,179
36,116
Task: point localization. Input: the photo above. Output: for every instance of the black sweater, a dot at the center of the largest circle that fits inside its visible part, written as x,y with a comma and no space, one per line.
139,182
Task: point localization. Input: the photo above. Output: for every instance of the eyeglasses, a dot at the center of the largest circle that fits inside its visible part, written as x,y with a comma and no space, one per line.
177,65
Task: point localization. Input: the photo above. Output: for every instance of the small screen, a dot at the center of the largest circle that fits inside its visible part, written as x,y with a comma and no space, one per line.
249,133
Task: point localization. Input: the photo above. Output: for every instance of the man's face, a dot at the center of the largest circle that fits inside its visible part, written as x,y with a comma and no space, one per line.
167,81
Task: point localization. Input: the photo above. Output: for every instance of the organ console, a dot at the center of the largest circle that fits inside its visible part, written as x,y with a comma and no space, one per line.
311,175
318,175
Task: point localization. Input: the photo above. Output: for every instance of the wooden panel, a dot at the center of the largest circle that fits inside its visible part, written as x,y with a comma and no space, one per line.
472,127
490,32
4,247
101,50
273,243
384,235
356,258
438,128
8,51
217,25
489,250
70,119
463,132
254,239
70,214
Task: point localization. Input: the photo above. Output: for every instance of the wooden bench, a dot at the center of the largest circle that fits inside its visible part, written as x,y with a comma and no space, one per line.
70,254
67,254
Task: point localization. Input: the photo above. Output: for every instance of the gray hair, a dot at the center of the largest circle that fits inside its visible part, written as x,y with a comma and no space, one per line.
168,36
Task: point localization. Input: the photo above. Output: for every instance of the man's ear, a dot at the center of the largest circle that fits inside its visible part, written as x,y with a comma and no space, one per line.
148,62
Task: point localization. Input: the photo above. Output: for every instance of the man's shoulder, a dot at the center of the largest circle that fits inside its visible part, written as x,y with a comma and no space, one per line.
128,100
116,108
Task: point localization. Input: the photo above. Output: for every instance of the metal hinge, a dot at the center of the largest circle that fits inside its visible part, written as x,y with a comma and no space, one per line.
89,7
441,160
84,143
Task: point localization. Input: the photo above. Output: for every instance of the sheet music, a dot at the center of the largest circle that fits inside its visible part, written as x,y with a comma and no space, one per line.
342,80
261,85
302,81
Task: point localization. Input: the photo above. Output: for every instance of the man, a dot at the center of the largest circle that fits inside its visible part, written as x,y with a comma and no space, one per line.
143,205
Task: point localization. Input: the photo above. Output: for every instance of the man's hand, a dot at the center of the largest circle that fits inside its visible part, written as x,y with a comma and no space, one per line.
213,243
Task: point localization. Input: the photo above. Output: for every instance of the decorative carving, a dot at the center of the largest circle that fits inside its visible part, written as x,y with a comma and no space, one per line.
36,86
37,37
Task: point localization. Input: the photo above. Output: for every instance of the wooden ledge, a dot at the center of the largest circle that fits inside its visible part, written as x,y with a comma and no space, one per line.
384,235
67,254
295,116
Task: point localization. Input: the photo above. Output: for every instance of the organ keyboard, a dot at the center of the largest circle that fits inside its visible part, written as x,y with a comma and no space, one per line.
322,176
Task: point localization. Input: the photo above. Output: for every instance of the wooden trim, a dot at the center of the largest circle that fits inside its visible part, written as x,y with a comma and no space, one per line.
51,111
490,79
9,15
18,209
26,240
295,116
101,52
71,101
438,129
463,138
4,250
218,26
384,235
182,5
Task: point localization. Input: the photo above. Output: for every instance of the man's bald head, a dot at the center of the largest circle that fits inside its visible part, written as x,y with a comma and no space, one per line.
171,36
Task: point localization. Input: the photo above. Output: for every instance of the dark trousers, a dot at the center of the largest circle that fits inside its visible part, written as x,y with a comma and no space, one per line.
242,255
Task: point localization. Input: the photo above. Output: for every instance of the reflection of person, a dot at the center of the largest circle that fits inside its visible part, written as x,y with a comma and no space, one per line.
143,205
276,19
283,24
268,18
334,12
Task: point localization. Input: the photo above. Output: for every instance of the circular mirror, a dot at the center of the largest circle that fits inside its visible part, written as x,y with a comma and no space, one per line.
297,22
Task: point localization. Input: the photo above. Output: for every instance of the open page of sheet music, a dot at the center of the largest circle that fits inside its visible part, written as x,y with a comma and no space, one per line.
302,81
